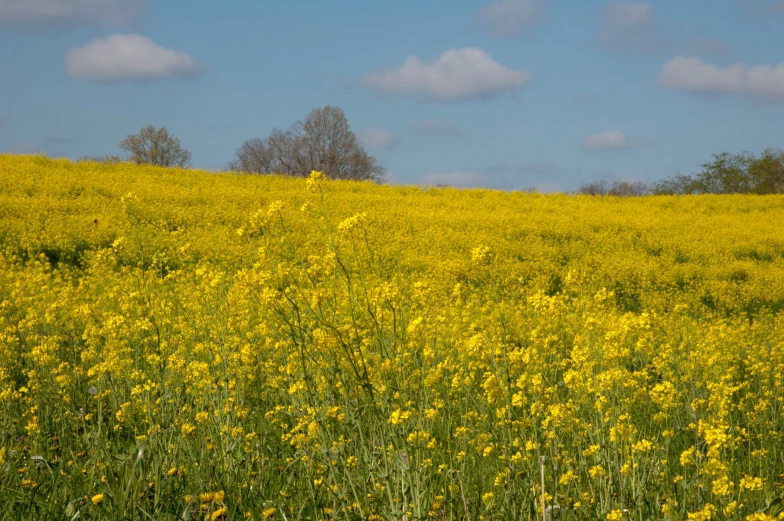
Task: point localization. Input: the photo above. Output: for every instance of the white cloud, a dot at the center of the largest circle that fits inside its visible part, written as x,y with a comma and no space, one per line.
435,128
374,137
612,140
41,13
692,74
458,75
128,57
510,18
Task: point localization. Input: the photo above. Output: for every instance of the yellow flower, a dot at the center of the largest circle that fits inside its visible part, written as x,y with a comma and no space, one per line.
760,517
706,514
722,486
687,457
596,471
97,499
314,180
642,446
480,255
567,478
591,451
751,483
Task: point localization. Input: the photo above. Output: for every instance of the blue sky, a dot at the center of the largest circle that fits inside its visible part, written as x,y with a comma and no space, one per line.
505,94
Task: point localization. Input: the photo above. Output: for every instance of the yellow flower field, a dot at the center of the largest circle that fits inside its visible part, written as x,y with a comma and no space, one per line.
178,344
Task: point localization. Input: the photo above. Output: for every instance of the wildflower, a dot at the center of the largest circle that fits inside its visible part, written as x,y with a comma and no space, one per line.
706,514
480,255
397,417
596,471
722,486
591,451
642,446
750,483
314,180
759,516
97,499
567,478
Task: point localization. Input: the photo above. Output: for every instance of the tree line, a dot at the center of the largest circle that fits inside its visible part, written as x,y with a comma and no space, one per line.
725,173
324,141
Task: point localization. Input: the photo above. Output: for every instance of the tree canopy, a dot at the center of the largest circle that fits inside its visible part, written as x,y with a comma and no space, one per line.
323,142
740,173
155,146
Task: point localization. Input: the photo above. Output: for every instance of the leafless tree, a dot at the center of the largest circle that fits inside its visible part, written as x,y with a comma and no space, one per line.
323,142
627,189
112,159
618,189
155,146
594,188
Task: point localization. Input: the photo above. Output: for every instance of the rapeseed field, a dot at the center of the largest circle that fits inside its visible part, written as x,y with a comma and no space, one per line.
183,345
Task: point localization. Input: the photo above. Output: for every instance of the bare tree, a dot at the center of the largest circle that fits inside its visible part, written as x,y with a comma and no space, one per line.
323,142
594,188
627,189
155,146
112,159
617,189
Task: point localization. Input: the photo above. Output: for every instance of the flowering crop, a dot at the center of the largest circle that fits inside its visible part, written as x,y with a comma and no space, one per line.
185,345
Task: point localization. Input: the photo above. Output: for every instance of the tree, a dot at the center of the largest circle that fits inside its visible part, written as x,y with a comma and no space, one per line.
741,173
323,142
594,188
767,172
155,146
112,159
617,189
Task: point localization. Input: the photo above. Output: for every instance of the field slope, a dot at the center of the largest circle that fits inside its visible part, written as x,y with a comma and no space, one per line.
179,344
